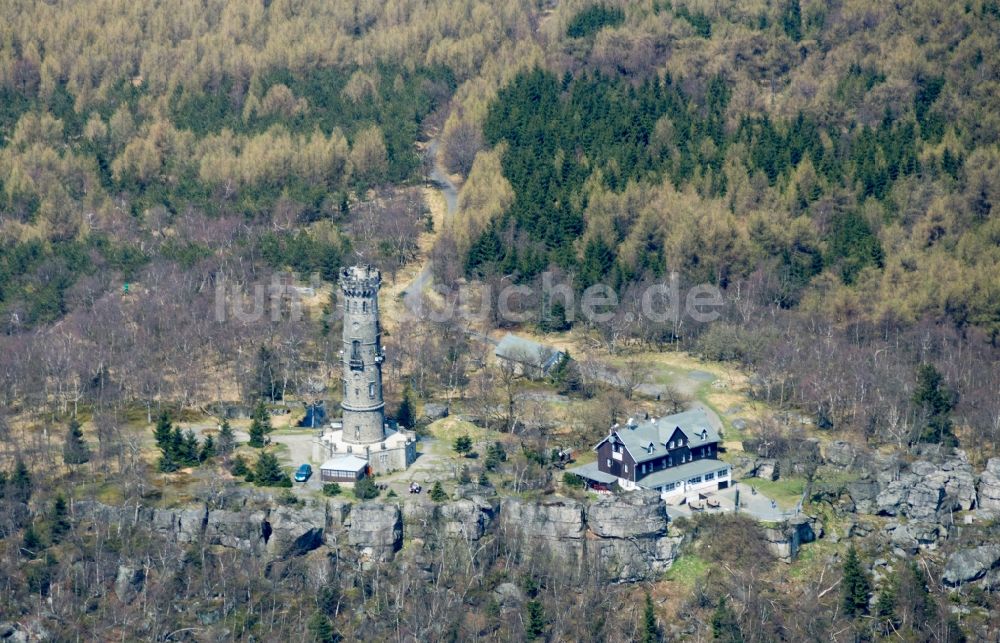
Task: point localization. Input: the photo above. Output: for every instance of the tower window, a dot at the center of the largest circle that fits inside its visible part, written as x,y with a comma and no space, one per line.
364,306
357,433
371,390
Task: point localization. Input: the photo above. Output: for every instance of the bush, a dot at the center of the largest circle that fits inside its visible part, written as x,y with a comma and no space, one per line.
239,467
365,489
332,489
438,493
573,481
462,445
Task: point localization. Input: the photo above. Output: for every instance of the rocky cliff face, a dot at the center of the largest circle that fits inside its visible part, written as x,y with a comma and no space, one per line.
920,496
625,535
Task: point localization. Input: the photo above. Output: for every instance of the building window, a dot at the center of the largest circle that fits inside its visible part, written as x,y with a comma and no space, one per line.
371,390
671,444
384,459
626,468
364,306
709,476
357,433
694,480
724,473
609,463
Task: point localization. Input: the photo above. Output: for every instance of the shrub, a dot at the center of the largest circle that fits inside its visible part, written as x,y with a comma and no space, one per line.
365,489
332,489
573,481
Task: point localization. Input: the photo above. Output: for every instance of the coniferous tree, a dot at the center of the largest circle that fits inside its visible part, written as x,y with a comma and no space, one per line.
239,467
438,493
725,626
190,450
58,519
75,450
650,628
462,445
855,586
535,626
208,449
406,415
936,401
163,431
260,426
268,473
885,607
19,486
321,629
31,542
791,20
227,439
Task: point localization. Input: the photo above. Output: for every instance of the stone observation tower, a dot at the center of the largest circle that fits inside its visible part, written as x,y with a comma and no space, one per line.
364,416
363,433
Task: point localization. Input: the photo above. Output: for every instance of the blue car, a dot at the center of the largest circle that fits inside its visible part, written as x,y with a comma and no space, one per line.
304,472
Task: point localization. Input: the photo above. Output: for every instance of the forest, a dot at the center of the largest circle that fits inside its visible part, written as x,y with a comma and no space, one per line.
833,168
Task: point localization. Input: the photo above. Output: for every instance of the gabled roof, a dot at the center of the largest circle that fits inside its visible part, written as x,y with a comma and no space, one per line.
694,424
527,351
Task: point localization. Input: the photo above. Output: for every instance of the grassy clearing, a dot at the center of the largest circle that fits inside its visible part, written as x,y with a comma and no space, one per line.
449,428
785,491
687,570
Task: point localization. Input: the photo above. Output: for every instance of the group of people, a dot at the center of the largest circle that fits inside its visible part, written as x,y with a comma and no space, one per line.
415,488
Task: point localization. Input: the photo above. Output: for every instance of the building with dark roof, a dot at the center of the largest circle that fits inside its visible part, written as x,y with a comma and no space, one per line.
675,455
529,358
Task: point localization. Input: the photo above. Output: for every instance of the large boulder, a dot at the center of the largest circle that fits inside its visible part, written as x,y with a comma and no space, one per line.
129,582
955,475
841,454
639,514
925,499
864,494
296,531
915,535
989,485
767,469
913,496
376,530
970,564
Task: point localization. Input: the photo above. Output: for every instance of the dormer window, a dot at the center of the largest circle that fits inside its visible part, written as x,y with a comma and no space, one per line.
671,444
650,448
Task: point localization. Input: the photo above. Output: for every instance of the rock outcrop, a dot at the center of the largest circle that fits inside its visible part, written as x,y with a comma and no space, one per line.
246,531
296,531
989,485
129,583
375,530
971,564
630,539
625,536
786,539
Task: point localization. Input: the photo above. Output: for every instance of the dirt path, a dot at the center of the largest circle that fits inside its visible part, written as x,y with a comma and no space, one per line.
412,299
